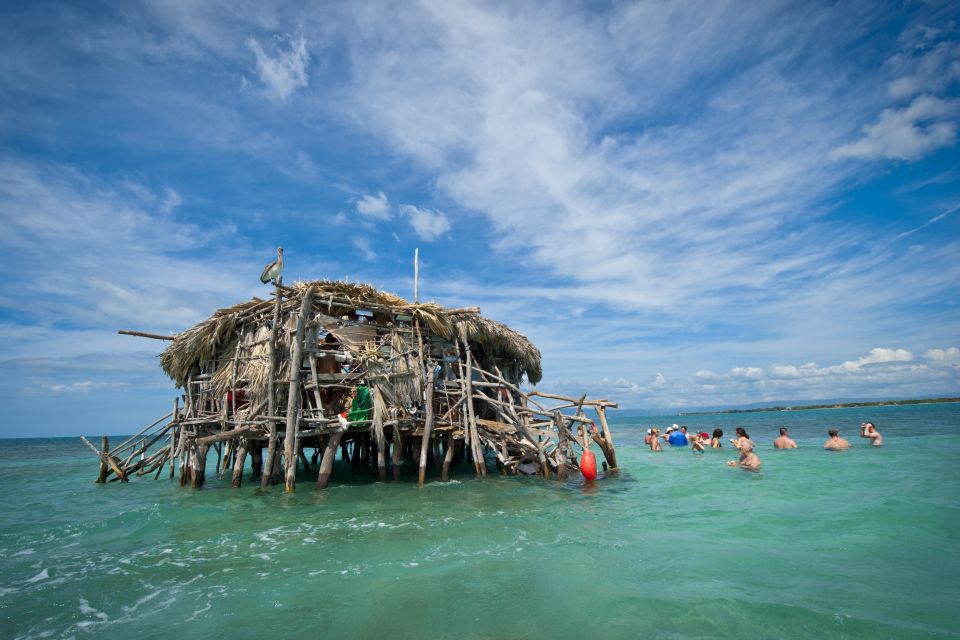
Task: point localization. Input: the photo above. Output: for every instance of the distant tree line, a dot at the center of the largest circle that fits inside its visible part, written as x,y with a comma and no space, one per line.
838,405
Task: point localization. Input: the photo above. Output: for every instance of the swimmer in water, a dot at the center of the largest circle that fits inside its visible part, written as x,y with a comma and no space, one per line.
868,430
655,440
696,443
741,436
715,440
748,459
784,441
835,442
648,437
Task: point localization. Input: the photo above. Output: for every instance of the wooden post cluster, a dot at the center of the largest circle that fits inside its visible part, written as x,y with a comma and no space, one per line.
441,394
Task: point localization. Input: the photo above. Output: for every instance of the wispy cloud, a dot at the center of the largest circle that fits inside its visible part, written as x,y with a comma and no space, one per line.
285,71
427,224
377,206
927,124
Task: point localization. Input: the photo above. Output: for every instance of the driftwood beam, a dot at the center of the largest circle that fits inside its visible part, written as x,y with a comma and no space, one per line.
293,397
271,389
142,334
428,425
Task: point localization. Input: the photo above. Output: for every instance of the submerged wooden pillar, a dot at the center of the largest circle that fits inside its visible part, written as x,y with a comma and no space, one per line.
256,460
267,475
237,478
382,458
479,463
104,452
397,454
606,444
448,457
326,465
562,446
198,475
174,441
428,423
293,396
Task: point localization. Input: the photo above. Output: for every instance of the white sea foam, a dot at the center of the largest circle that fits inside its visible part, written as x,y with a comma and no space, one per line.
24,552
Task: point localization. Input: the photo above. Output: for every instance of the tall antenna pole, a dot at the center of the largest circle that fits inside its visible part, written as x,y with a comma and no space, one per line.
416,276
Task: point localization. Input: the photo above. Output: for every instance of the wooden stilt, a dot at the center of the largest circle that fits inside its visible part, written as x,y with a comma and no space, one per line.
290,449
237,478
561,447
256,460
448,458
104,452
326,465
382,459
267,476
397,454
428,424
199,466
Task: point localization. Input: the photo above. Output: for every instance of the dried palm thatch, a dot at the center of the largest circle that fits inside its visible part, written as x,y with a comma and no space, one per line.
503,342
211,344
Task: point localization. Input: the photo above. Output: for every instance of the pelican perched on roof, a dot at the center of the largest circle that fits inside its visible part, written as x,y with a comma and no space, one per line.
273,270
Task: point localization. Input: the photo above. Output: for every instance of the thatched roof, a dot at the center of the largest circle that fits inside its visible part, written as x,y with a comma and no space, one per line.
217,336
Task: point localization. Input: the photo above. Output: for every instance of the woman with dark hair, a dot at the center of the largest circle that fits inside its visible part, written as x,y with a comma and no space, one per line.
715,440
741,436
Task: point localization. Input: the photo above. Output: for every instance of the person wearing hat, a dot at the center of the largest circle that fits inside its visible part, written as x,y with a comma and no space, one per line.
648,437
748,459
678,438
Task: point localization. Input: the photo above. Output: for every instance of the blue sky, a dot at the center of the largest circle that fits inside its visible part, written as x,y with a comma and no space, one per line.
683,204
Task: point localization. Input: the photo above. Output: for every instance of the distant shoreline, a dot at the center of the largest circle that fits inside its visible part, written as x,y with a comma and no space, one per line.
839,405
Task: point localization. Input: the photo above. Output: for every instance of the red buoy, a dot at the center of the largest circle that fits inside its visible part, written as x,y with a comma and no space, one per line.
588,465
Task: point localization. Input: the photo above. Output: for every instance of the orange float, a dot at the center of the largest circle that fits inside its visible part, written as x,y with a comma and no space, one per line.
588,465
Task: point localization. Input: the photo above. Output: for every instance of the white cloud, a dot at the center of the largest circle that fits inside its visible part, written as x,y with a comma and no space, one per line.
171,200
377,206
949,357
927,124
285,72
928,63
659,382
427,224
747,373
883,373
84,386
363,245
91,256
877,356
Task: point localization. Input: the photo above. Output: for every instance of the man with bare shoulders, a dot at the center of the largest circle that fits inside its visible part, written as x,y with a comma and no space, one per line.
868,430
835,442
748,459
784,441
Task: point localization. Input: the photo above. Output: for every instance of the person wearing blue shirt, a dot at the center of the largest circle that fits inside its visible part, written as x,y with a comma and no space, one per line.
678,438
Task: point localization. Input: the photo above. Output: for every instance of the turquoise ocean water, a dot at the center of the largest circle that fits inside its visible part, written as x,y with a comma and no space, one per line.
859,544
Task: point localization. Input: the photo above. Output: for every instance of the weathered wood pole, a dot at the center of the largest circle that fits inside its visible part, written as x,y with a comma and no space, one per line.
562,446
326,464
397,454
293,395
448,458
428,423
608,451
272,391
382,457
173,436
256,459
237,478
104,467
199,466
479,463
